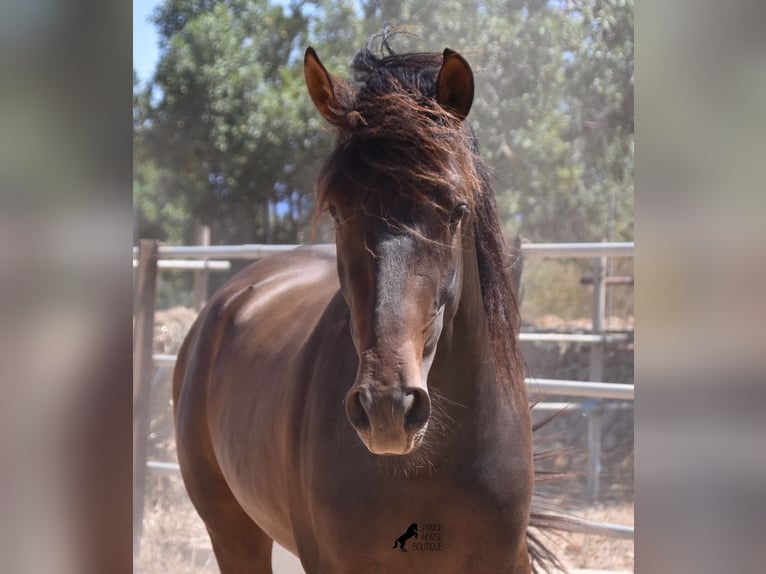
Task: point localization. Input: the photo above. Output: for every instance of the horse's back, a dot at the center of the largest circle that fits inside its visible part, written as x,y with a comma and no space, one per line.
232,369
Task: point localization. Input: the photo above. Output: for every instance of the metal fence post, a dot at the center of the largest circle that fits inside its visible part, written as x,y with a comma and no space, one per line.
596,374
599,309
143,335
594,412
201,277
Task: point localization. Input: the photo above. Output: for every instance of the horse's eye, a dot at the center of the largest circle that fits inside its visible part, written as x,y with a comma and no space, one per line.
334,213
457,215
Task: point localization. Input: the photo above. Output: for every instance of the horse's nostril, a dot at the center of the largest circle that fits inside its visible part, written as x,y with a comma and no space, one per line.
356,410
418,410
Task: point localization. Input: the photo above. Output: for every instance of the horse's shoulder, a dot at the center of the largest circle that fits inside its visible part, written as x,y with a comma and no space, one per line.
201,344
274,276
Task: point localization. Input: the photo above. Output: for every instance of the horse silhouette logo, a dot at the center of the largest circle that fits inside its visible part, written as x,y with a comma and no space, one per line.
412,530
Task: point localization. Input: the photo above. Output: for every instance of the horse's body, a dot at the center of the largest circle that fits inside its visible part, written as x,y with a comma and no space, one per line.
328,404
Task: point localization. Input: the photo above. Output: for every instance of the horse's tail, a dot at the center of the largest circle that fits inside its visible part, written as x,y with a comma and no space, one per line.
542,521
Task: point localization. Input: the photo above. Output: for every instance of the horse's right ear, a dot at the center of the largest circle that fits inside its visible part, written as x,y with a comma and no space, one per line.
320,85
454,86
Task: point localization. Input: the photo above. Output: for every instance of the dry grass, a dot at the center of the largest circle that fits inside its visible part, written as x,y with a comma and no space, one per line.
584,551
174,539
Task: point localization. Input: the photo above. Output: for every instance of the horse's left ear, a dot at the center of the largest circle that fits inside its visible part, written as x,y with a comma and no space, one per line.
320,85
454,86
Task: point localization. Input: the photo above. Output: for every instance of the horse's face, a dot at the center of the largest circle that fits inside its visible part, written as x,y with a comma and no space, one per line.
400,258
400,284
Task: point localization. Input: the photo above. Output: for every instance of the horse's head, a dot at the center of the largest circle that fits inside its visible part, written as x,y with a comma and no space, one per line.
399,187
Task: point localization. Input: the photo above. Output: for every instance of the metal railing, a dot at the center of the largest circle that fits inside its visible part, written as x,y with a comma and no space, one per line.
190,264
582,389
537,386
258,250
183,257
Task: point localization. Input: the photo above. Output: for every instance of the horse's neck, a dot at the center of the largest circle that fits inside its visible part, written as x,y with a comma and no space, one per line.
486,414
466,368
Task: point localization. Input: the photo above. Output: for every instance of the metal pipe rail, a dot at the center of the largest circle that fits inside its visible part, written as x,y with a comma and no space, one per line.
537,386
256,250
163,467
562,250
190,264
164,360
577,407
246,251
530,337
587,389
586,526
606,338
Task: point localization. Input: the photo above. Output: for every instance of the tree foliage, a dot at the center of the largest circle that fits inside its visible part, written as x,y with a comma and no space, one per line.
226,135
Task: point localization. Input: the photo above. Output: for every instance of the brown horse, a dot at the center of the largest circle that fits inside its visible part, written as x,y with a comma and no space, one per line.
326,402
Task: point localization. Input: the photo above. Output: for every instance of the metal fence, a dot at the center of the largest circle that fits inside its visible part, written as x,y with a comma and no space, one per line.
256,251
203,258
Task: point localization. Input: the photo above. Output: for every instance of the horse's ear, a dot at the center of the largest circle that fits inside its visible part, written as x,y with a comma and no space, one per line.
454,86
320,85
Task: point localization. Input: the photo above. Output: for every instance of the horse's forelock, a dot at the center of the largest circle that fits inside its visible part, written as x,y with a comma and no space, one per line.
391,126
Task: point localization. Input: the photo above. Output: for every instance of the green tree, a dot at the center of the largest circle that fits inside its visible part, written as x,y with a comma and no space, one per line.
159,212
226,123
232,140
601,101
553,108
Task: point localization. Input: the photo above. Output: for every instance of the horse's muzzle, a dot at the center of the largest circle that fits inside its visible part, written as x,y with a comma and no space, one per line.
389,421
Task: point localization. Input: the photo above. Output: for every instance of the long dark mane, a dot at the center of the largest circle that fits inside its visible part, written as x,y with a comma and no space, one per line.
389,123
